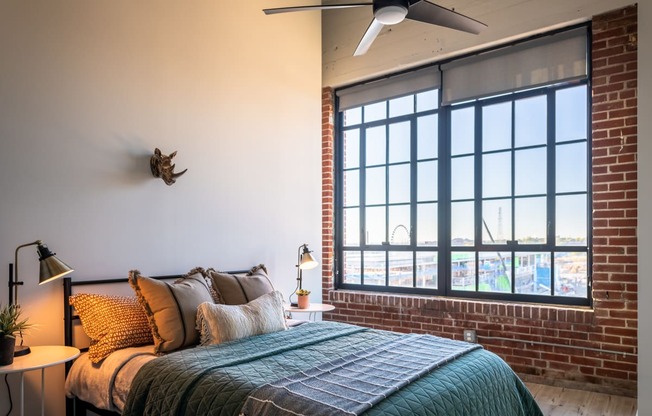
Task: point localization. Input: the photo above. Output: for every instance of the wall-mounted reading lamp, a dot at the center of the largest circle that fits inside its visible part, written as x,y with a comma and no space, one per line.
51,268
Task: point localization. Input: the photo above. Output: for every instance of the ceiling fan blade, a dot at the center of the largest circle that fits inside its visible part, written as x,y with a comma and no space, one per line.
424,11
370,35
318,7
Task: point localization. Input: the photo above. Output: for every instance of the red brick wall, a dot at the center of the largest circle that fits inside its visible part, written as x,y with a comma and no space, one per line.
594,349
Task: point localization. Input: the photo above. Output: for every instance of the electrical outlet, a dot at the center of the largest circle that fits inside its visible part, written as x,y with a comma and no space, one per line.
470,335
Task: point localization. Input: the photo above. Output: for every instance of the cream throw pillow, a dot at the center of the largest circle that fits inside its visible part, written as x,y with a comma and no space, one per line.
221,323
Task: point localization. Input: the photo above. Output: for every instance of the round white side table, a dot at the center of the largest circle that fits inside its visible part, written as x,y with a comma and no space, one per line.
41,357
312,310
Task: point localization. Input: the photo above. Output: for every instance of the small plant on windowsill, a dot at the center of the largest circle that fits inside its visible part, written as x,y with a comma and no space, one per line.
302,292
10,325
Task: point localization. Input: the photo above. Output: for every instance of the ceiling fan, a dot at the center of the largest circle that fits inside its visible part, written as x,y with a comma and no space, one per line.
391,12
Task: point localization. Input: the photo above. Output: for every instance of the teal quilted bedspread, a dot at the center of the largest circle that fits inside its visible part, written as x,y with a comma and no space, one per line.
216,380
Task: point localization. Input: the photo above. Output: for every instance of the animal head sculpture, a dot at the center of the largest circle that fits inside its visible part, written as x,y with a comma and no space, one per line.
163,168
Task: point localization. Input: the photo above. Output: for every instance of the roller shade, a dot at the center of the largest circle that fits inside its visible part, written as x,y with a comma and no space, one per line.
555,58
387,88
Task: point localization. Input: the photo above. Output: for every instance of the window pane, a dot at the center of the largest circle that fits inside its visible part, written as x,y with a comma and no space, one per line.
462,224
401,106
352,116
375,225
375,112
375,186
375,268
427,137
428,100
497,127
571,274
427,269
530,220
401,268
462,131
571,175
399,183
462,178
497,174
532,273
351,188
352,227
570,114
570,222
495,272
427,224
427,181
531,120
352,267
399,225
497,216
351,148
376,146
399,142
463,270
530,172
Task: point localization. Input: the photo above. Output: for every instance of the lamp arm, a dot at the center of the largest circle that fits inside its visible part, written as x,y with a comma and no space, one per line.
303,246
13,280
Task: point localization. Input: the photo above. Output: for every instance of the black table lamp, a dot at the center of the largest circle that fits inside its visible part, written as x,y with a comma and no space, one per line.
51,268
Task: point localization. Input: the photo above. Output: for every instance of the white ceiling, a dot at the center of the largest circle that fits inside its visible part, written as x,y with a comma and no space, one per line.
411,43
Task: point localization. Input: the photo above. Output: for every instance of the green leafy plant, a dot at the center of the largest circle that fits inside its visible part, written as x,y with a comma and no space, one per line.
10,321
302,292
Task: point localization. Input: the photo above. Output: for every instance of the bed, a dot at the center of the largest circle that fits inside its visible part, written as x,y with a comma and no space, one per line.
317,368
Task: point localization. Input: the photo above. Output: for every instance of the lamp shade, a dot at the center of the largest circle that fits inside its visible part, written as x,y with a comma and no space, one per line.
307,261
51,267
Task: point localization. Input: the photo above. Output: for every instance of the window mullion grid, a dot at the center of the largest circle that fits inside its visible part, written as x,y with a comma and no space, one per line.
444,268
552,185
386,243
477,190
512,243
413,191
363,196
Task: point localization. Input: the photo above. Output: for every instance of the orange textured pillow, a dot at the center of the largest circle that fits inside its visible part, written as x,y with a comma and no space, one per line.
112,323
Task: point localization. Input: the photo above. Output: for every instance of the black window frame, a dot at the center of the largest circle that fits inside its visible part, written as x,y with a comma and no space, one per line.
445,247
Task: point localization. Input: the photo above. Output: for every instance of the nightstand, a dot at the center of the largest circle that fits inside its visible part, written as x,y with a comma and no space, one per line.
41,357
313,309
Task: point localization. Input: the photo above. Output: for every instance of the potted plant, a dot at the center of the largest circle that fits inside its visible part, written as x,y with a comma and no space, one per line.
10,325
303,298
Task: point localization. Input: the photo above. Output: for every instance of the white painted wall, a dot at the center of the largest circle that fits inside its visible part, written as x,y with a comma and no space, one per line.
88,89
644,208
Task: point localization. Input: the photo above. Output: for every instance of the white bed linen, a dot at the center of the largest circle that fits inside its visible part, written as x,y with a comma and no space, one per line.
106,385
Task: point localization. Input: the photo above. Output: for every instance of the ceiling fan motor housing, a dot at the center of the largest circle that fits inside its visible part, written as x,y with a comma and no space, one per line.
390,12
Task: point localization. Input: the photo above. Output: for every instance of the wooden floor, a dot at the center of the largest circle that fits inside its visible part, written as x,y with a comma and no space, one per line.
559,401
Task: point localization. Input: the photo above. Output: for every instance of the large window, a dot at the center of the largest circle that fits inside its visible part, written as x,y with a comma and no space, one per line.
483,198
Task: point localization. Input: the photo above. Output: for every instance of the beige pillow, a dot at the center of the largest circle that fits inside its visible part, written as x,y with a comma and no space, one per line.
171,308
234,289
221,323
111,322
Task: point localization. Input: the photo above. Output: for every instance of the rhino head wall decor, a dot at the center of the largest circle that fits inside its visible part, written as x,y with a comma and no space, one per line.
163,168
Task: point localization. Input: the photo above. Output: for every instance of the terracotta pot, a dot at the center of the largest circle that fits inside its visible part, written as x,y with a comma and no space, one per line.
303,301
7,346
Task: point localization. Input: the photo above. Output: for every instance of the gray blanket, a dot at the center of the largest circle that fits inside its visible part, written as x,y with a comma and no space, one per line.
351,385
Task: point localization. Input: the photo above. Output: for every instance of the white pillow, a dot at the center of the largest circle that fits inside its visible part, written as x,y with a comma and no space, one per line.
221,323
